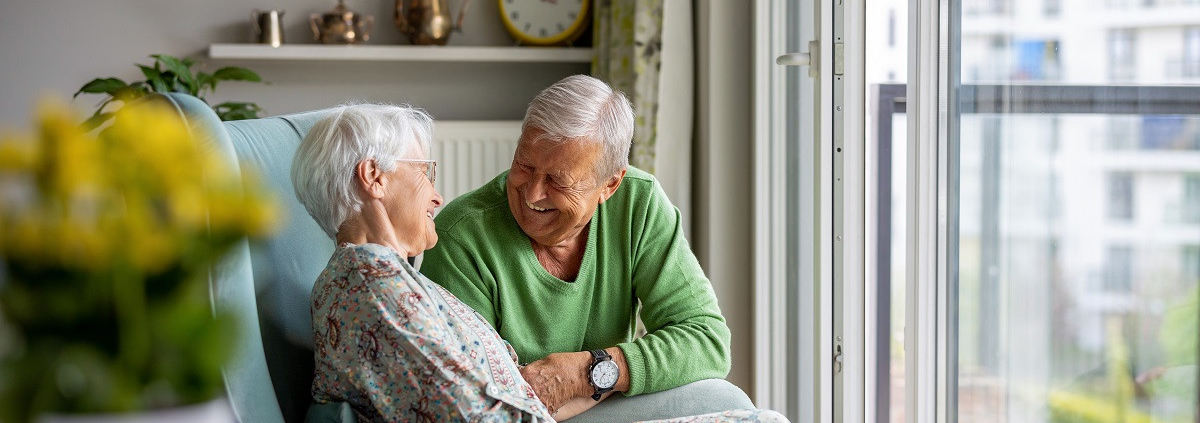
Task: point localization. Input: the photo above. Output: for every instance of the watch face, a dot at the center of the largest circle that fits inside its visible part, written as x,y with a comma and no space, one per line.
543,21
604,375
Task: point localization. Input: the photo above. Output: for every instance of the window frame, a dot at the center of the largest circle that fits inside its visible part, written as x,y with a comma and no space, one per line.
928,379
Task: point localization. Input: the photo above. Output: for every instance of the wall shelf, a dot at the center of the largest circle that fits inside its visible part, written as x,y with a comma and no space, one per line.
401,53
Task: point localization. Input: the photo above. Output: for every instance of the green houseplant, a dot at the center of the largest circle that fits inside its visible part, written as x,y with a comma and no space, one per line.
107,240
171,74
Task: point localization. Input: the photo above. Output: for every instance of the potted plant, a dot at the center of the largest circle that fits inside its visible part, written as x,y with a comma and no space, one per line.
170,74
106,241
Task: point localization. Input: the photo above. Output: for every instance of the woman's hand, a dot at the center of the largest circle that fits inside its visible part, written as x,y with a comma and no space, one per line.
577,406
559,377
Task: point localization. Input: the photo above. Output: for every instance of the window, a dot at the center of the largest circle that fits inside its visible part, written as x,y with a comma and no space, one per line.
891,28
1051,8
1170,132
1121,55
1056,277
1120,196
1118,269
1122,132
1191,199
1191,264
1190,68
1000,7
987,7
1036,59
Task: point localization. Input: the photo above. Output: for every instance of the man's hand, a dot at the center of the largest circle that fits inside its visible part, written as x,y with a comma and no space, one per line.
559,377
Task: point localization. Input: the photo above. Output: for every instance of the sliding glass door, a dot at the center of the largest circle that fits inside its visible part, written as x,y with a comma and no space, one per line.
1054,222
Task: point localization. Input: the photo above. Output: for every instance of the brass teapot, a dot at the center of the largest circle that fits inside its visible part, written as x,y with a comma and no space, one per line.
341,26
427,22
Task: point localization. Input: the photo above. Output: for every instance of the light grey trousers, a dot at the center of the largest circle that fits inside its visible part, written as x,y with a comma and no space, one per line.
694,399
700,402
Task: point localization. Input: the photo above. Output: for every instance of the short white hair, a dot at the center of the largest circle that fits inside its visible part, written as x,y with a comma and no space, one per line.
326,161
583,108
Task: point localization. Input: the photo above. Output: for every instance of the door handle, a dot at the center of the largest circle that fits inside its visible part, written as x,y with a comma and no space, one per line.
793,59
810,59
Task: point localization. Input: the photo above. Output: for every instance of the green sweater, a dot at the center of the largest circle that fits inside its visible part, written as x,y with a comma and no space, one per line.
636,253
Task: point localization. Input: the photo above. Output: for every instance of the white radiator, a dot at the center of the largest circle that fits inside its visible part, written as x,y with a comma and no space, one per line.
471,153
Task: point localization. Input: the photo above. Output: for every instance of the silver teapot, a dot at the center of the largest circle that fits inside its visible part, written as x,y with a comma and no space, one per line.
427,22
341,26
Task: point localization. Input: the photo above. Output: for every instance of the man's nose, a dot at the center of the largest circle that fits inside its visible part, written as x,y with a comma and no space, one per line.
536,190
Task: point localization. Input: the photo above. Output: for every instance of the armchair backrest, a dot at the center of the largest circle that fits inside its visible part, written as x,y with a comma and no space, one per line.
267,284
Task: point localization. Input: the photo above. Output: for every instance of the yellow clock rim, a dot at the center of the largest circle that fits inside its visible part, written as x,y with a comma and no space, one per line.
570,33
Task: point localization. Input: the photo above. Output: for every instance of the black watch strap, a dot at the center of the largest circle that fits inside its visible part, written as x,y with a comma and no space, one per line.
598,356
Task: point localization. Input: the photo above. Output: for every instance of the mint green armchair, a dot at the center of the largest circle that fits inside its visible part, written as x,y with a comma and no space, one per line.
268,286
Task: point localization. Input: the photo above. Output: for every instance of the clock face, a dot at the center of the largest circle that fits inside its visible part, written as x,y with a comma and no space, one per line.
544,22
604,375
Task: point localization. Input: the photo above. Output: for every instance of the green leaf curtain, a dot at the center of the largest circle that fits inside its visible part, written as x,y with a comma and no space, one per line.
628,55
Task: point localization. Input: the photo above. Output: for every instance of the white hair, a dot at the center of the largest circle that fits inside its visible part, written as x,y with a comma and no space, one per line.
583,108
327,159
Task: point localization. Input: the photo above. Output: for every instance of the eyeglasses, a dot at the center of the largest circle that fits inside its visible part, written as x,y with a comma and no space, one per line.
430,167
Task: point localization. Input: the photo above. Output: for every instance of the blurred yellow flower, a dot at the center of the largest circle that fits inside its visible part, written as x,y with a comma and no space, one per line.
107,239
15,154
141,193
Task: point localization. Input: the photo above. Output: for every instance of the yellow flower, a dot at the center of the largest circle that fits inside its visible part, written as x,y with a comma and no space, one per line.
69,156
142,192
16,154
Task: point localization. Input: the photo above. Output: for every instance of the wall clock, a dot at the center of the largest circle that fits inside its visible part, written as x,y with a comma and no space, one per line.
545,22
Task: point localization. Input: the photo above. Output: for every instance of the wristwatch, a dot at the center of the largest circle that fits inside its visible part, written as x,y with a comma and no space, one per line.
603,373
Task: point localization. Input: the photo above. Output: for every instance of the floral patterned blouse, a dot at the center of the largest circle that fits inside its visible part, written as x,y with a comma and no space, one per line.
399,348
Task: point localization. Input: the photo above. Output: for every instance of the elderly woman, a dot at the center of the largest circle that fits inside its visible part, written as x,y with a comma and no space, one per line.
560,252
394,345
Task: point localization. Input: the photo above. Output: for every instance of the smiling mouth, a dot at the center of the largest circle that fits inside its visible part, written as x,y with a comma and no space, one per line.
533,207
430,214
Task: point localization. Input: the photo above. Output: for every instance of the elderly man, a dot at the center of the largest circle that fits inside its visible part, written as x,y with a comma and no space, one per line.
560,252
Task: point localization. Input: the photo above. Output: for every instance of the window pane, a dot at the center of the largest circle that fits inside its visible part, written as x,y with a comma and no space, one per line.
1078,222
1120,196
1073,258
1191,199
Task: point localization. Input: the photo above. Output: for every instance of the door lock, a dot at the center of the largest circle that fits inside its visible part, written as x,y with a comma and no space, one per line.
837,356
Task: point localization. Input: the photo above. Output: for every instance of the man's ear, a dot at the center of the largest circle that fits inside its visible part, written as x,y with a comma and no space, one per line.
610,186
369,178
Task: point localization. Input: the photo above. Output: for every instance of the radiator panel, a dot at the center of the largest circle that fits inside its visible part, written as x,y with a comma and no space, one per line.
471,153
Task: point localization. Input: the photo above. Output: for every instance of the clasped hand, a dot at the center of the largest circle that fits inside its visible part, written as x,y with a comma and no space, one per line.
559,378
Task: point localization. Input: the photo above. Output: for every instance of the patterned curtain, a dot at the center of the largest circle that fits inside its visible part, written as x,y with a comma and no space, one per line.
628,55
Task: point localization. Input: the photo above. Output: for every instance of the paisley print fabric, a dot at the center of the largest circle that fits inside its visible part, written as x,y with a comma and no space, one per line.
399,348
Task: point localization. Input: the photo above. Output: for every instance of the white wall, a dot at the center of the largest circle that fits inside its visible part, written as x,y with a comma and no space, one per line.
52,47
723,225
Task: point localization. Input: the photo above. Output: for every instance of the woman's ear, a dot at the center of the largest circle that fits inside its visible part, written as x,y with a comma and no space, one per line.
369,178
